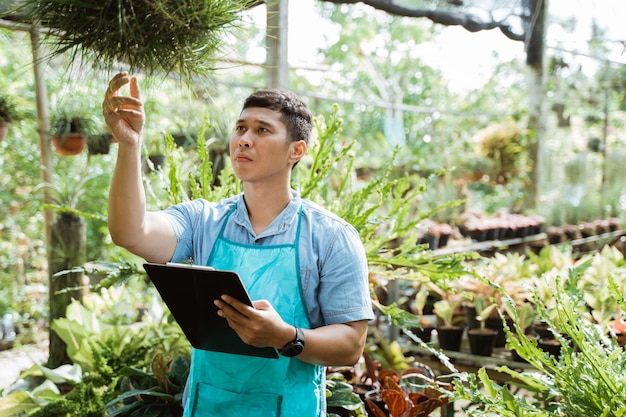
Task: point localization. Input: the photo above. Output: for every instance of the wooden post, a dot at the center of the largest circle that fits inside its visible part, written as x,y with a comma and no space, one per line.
43,121
277,72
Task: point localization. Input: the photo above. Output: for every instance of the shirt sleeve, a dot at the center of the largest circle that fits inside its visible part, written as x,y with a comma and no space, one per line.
344,290
197,225
181,217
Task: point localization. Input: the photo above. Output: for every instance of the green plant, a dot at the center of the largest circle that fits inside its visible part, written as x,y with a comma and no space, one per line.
156,37
8,110
587,379
483,311
524,315
83,400
156,144
157,393
421,297
503,144
67,122
71,196
99,144
340,394
445,310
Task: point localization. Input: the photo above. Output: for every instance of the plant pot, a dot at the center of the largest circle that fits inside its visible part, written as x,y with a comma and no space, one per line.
495,323
155,163
450,337
470,316
73,144
515,356
430,239
482,341
424,333
550,346
543,331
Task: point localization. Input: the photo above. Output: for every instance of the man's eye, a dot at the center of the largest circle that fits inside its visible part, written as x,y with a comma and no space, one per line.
262,129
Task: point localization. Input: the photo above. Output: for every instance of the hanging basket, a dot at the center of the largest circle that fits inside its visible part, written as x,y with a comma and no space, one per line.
72,144
99,144
157,36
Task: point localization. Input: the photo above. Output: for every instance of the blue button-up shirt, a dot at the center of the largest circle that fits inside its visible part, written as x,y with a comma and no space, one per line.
332,261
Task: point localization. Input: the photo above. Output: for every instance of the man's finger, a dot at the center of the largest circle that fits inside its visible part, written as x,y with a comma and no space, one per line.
134,88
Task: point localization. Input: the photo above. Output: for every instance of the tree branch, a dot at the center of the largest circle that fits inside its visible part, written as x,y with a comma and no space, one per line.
445,17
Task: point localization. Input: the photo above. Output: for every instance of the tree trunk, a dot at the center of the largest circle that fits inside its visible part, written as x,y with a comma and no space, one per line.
67,249
535,61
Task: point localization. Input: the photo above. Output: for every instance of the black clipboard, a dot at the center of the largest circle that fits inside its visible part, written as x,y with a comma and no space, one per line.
189,292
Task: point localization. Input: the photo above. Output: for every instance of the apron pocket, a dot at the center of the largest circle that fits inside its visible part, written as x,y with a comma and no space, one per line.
210,401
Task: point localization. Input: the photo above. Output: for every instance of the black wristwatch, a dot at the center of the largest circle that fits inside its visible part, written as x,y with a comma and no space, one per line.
294,348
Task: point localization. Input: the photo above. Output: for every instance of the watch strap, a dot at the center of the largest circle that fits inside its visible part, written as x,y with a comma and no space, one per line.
294,347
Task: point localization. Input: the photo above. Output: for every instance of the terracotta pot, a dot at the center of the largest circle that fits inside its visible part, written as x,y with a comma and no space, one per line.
73,144
482,341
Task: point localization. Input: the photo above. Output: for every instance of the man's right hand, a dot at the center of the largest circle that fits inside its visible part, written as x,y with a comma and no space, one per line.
124,115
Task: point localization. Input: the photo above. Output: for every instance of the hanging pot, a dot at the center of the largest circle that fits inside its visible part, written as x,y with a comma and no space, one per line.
73,144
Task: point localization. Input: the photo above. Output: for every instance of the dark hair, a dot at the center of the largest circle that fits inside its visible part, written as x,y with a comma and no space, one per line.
294,112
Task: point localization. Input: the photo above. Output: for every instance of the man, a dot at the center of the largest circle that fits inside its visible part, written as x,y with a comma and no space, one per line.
305,268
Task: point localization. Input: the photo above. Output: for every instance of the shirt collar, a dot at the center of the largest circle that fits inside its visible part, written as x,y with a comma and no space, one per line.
280,224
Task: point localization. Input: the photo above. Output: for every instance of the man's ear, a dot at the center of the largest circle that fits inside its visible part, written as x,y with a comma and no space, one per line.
298,149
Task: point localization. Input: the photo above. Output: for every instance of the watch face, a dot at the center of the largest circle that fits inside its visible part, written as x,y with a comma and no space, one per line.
292,349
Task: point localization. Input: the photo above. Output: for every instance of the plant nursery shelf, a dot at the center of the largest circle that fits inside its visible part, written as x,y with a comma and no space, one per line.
494,245
536,241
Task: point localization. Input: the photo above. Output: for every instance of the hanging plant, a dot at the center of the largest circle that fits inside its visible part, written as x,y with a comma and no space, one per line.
154,36
99,144
8,113
71,133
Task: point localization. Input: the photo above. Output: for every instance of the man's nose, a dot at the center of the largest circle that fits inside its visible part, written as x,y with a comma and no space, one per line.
244,141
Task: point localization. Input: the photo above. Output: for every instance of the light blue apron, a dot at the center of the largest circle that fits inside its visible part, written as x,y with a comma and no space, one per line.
223,384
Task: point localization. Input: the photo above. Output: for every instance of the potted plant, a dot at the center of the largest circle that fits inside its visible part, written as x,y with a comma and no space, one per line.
70,133
524,317
482,338
8,114
156,37
154,151
158,393
450,333
425,327
99,144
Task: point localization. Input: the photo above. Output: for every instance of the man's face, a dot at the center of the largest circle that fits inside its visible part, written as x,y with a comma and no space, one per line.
259,149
